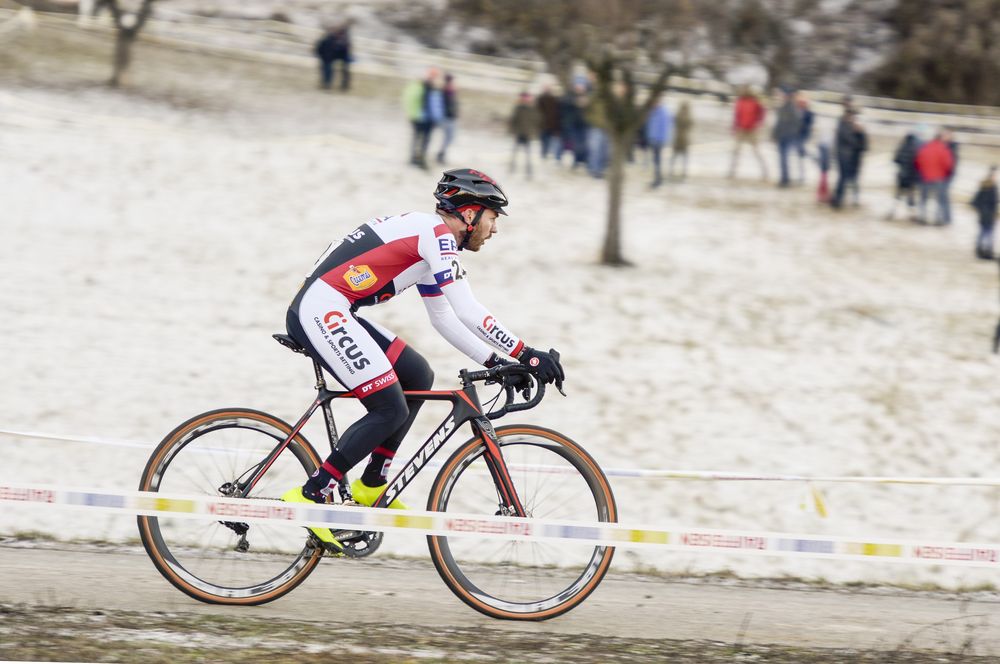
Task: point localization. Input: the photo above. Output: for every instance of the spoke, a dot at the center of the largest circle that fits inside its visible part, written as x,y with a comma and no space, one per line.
548,484
207,550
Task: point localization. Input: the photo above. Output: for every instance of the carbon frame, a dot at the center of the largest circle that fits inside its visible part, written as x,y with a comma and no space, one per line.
465,408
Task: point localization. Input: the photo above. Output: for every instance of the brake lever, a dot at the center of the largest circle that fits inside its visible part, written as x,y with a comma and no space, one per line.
555,356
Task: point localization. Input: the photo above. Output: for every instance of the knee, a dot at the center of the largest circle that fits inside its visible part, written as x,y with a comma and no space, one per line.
413,371
424,380
398,416
388,407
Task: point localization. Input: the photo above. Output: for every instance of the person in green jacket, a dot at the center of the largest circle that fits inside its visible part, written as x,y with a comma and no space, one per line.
415,107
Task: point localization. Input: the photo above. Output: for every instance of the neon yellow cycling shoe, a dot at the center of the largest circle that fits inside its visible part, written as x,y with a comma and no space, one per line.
367,495
325,536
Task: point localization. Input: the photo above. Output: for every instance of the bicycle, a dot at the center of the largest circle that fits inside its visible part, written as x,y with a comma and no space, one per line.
514,470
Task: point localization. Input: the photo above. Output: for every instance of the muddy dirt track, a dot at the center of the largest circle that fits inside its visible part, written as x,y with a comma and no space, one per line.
90,603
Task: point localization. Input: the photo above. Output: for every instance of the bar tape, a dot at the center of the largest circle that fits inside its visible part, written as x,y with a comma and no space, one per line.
638,473
497,527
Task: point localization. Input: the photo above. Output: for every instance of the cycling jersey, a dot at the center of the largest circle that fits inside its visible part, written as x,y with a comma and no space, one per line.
385,256
372,264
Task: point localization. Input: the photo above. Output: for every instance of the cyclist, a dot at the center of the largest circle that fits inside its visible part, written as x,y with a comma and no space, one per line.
373,263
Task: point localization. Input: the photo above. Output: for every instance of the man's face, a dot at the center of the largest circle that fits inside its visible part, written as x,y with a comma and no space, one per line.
484,230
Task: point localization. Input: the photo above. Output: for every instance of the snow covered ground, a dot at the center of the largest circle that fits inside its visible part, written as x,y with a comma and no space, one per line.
152,238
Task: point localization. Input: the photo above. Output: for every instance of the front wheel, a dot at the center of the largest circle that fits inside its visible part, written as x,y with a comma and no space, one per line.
229,562
523,579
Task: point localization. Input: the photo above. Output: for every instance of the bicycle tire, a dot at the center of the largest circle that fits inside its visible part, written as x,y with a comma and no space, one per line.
192,555
541,585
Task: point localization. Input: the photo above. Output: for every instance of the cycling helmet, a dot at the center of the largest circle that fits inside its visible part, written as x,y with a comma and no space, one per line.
466,186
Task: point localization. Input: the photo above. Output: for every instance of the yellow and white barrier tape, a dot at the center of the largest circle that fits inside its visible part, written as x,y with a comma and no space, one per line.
474,525
635,473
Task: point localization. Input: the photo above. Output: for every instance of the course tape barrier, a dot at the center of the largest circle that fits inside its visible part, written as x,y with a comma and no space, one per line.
498,527
635,473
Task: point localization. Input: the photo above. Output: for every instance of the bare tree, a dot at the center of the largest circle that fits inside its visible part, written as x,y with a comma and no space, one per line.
128,24
625,114
630,46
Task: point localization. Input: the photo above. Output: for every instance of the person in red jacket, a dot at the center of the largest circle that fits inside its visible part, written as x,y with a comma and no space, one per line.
748,116
935,163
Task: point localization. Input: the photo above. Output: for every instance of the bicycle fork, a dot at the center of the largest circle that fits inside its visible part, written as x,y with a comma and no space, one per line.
510,503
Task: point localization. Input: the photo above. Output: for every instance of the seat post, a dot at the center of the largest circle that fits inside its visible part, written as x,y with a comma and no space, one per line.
320,381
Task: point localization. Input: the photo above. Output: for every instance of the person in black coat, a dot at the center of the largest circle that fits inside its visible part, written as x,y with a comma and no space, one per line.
333,46
985,202
573,125
907,177
849,147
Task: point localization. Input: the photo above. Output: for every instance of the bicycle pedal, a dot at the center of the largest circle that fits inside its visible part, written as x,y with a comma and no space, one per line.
328,549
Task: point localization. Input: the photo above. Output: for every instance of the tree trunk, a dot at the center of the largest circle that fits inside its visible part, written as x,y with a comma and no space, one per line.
123,53
612,252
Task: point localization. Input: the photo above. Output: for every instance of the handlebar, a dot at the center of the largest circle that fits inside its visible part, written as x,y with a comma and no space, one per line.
500,375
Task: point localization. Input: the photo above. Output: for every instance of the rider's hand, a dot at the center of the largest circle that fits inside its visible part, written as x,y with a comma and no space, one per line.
544,365
518,381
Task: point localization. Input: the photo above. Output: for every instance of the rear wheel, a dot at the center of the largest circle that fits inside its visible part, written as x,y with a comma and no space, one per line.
229,562
523,579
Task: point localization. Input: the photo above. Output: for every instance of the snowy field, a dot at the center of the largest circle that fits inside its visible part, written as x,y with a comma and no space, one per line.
152,238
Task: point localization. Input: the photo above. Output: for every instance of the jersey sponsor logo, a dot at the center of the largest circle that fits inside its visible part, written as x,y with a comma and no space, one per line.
444,277
342,344
447,245
360,277
355,235
331,319
373,386
497,333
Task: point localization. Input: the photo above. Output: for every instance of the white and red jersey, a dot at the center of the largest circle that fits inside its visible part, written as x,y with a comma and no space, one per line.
387,255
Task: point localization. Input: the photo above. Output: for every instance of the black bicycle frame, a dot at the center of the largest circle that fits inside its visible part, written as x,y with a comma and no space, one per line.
465,408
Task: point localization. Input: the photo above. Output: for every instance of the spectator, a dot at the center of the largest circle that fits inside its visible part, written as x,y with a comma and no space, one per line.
748,116
850,144
434,104
823,157
682,137
906,174
985,202
935,163
573,124
413,105
524,124
948,138
450,116
806,116
419,107
786,133
333,46
597,136
549,112
657,134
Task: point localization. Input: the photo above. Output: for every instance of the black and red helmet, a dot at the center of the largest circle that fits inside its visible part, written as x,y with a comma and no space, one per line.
466,186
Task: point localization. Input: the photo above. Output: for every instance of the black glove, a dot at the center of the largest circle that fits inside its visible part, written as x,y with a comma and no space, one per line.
516,380
544,365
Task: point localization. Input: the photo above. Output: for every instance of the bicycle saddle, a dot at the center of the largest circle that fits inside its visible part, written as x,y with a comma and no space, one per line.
289,343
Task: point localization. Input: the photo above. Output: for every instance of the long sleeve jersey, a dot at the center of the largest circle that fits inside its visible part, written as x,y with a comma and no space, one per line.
387,255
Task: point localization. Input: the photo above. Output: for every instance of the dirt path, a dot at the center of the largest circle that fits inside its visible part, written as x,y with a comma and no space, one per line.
118,589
